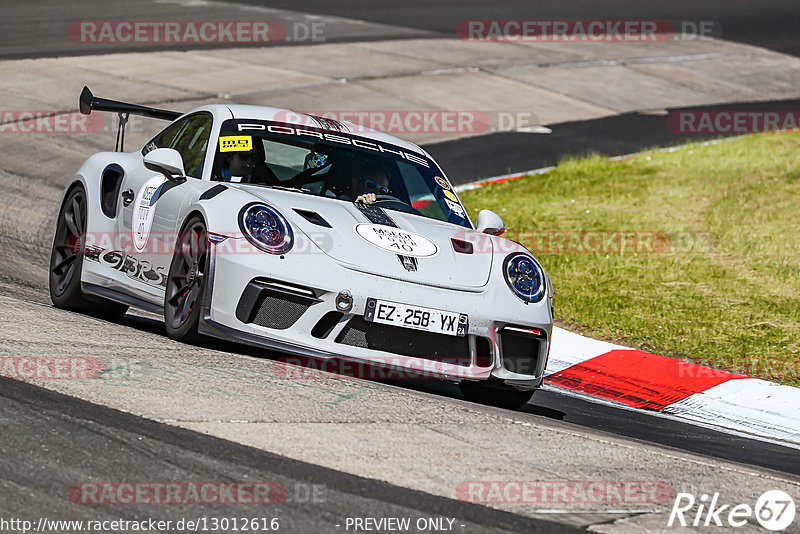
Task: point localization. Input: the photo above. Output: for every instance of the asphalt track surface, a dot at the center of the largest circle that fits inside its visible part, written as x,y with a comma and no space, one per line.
671,433
70,439
41,29
769,24
648,427
30,30
35,29
465,159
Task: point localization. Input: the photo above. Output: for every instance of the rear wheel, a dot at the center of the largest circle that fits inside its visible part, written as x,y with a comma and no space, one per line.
66,262
186,282
495,395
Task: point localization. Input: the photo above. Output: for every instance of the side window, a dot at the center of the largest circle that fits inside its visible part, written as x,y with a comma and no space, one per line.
165,138
189,137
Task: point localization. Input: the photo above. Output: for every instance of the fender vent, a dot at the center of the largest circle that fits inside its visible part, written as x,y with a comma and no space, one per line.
213,191
109,189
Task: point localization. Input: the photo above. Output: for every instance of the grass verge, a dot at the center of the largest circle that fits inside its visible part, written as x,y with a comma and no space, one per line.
693,253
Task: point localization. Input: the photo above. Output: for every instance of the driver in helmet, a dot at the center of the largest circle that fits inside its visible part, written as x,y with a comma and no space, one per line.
369,183
246,166
239,166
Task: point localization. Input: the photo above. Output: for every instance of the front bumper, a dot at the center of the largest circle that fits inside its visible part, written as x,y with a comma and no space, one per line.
288,303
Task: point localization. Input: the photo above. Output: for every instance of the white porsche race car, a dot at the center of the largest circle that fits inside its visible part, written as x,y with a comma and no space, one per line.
304,235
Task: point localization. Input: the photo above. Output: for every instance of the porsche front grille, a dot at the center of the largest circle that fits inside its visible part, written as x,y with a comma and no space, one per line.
405,342
279,311
522,349
273,304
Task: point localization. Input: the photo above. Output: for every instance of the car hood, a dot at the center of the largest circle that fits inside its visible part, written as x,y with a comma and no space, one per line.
373,242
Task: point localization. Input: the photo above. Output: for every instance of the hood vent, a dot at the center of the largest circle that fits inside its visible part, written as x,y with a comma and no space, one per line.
313,217
461,246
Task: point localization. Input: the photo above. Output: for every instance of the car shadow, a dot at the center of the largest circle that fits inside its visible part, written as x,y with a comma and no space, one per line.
310,366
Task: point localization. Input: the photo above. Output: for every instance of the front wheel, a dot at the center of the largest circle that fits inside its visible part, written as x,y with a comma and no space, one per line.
186,282
499,396
66,261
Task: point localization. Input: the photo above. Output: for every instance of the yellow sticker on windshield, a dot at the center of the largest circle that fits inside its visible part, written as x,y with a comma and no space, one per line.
235,143
450,195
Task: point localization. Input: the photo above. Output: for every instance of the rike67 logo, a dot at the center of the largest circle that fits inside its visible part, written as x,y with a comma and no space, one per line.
774,510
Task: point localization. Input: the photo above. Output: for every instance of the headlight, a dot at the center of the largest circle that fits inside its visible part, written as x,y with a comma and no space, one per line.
525,277
266,228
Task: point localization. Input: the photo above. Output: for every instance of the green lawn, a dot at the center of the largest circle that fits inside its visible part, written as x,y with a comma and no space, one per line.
693,253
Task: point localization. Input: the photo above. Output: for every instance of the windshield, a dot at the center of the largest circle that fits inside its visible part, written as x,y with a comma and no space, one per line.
335,164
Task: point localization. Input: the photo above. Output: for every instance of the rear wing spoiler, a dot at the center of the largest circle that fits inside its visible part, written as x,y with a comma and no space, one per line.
88,103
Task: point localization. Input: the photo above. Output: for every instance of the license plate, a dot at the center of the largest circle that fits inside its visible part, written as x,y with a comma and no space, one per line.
416,317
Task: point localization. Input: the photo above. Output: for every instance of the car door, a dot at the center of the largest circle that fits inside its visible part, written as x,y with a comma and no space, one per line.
152,205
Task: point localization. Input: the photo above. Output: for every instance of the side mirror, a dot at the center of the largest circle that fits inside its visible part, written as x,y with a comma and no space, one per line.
168,162
490,223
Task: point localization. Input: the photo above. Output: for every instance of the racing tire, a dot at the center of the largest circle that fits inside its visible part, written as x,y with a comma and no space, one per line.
186,282
501,397
66,262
